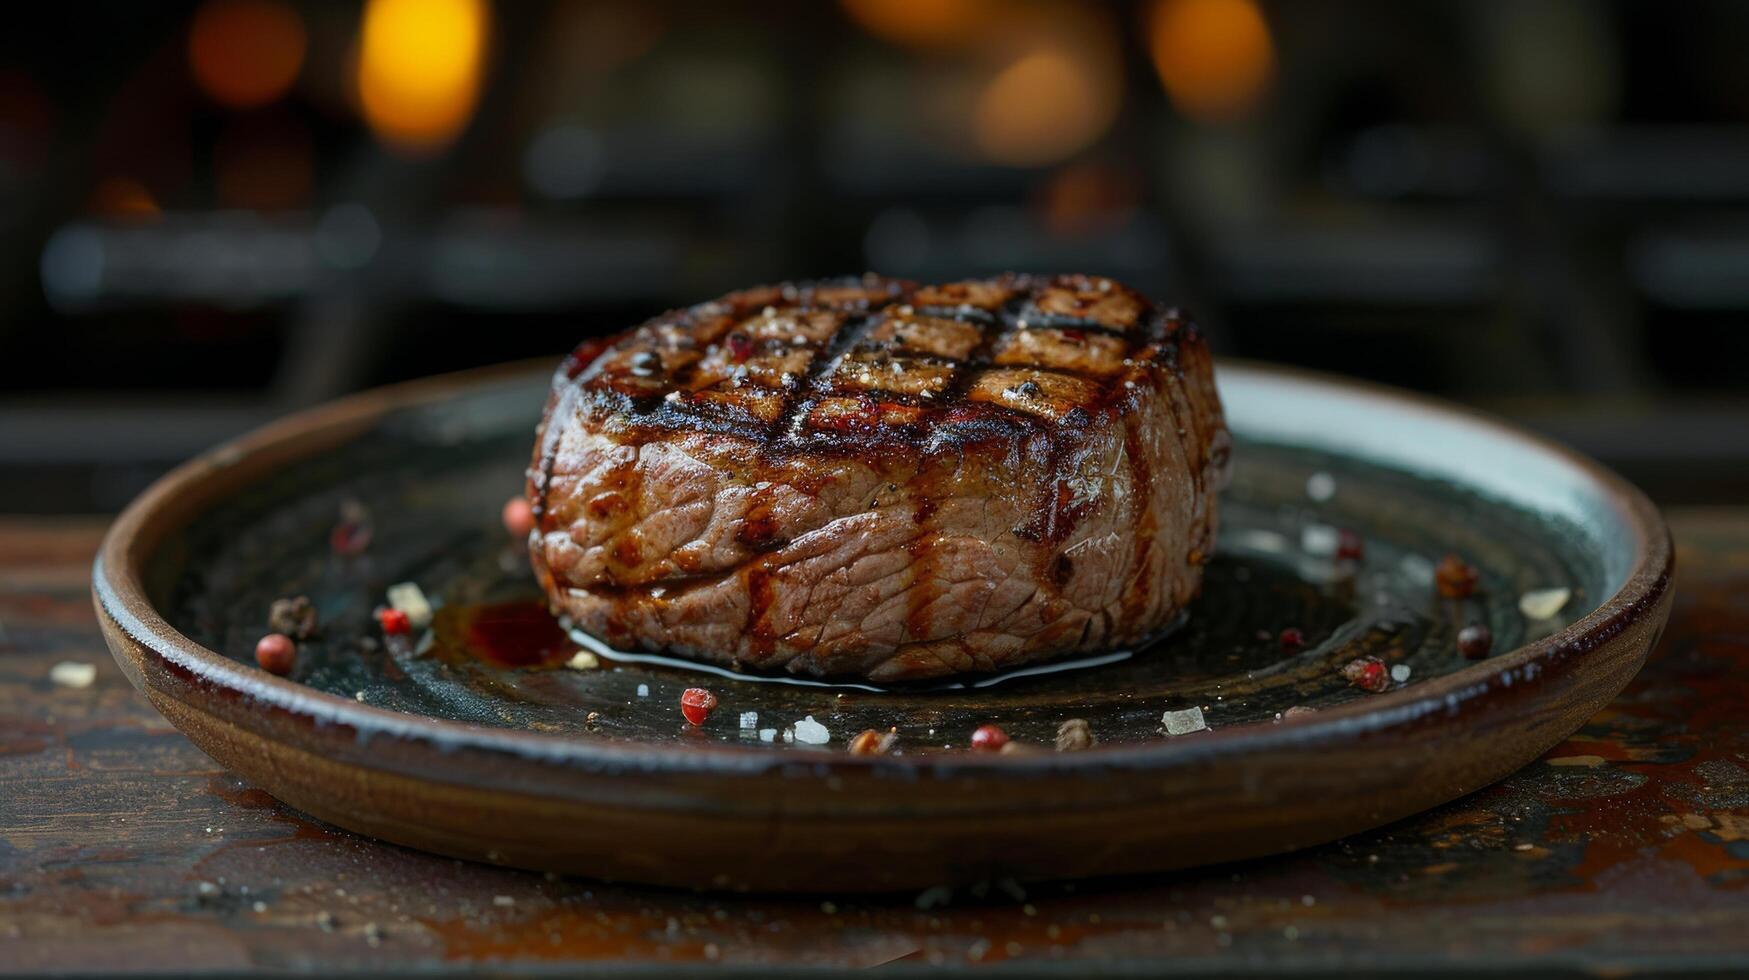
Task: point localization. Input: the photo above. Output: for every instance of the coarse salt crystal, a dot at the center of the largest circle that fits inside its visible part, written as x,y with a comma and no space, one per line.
73,673
1543,603
583,660
409,598
1183,722
1400,672
1318,539
767,734
1320,486
811,732
643,690
1418,570
749,719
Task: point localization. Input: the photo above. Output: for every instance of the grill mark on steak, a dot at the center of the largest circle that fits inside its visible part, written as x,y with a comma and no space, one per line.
1136,596
760,594
639,401
766,388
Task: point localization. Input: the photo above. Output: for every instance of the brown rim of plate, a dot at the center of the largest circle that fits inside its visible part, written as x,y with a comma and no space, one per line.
168,505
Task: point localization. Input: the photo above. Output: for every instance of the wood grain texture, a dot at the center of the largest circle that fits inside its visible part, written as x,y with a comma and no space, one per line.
124,848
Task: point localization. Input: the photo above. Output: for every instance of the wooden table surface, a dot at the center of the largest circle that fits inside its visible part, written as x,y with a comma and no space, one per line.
123,848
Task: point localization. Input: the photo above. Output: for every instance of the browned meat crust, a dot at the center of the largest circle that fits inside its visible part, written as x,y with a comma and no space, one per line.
876,478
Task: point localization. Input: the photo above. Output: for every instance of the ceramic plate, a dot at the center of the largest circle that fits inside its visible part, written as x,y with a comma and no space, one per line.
477,740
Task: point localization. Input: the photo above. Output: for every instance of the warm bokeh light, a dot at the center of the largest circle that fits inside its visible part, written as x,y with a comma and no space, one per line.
245,53
1087,197
1040,109
419,69
123,198
920,21
1215,57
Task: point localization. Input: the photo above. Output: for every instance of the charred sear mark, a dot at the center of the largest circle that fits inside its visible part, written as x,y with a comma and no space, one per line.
844,367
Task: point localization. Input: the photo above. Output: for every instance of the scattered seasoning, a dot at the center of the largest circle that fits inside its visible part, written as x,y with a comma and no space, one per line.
872,742
1349,546
295,617
1454,577
1291,639
810,732
583,660
989,738
1368,673
518,517
696,704
1475,641
352,534
394,622
1183,722
349,540
1320,486
409,598
1416,569
1318,539
740,346
592,718
73,673
1543,603
1074,735
646,363
276,653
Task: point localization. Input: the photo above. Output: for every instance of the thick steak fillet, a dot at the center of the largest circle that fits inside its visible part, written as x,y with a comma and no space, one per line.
881,479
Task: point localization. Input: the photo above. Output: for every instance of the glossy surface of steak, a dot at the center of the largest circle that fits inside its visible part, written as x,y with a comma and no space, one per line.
880,479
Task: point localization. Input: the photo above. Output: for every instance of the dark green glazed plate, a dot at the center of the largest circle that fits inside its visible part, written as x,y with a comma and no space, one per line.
476,738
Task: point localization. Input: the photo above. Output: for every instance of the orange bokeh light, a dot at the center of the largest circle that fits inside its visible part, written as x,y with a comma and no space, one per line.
245,53
123,198
920,21
419,69
1040,109
1215,57
1087,197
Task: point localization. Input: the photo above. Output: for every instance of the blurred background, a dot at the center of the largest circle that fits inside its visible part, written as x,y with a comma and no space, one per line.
213,213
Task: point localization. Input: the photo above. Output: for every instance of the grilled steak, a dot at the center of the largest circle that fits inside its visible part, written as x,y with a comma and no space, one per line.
876,478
